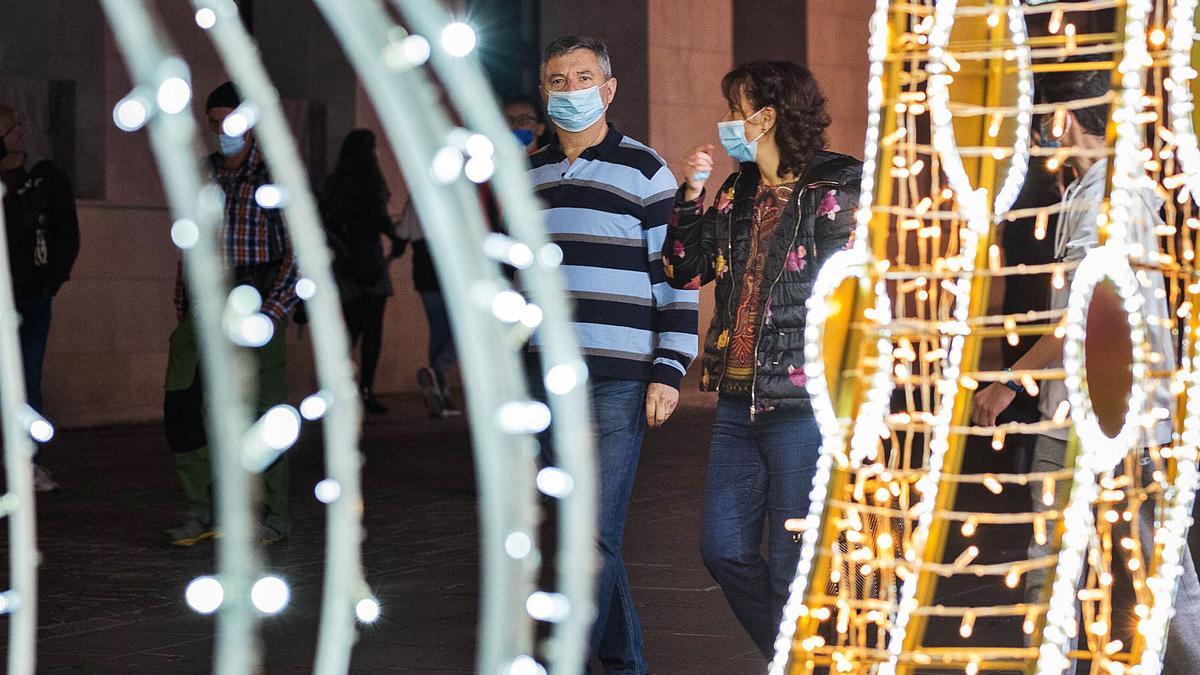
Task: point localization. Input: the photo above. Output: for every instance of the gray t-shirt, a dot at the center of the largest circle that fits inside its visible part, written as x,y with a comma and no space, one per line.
1076,235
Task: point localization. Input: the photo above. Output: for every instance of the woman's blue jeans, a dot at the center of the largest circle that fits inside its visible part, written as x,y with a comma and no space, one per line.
759,473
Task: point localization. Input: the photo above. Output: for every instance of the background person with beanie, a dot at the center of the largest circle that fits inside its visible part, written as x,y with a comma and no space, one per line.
259,254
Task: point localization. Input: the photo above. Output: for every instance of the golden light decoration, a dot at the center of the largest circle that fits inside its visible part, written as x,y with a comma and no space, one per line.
901,334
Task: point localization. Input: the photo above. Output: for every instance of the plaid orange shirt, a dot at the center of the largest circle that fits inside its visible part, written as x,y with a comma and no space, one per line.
252,235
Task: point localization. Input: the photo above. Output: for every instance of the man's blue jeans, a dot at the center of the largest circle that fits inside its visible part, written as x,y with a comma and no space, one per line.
619,409
34,332
760,471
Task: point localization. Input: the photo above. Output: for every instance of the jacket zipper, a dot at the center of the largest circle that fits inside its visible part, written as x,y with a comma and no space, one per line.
771,290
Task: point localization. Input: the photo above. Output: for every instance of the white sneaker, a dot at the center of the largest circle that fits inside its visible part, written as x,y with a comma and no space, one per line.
42,482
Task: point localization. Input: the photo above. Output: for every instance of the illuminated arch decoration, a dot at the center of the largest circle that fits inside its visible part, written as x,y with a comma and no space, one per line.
492,323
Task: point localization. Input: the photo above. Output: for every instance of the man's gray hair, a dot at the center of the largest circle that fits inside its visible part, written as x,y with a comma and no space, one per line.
568,44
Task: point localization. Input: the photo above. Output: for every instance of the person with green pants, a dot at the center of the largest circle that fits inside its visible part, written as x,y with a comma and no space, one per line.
259,254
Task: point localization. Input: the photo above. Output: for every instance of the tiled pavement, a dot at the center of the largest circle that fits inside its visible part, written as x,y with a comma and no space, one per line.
111,592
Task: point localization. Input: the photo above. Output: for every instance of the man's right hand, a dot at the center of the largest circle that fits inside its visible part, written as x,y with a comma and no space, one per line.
696,169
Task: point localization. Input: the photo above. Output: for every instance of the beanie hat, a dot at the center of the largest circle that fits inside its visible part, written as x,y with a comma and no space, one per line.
224,96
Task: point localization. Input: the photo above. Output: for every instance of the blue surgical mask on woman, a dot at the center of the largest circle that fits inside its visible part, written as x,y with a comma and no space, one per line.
524,136
575,110
230,146
733,139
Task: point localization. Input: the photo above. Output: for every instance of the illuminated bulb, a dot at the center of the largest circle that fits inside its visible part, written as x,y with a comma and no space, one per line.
280,427
480,146
131,113
550,607
554,482
520,256
1056,18
270,595
531,316
447,165
968,527
416,49
458,39
239,121
561,379
551,255
268,196
1069,33
327,491
518,545
255,330
1039,530
998,440
206,18
174,94
479,169
40,430
508,306
367,610
1012,578
993,19
185,233
524,665
314,406
528,417
1048,491
967,627
992,484
1158,37
244,299
204,594
306,288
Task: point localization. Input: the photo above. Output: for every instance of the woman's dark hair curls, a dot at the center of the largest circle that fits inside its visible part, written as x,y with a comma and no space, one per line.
799,105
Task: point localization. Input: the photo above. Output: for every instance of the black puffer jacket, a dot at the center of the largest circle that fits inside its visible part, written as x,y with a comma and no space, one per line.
705,245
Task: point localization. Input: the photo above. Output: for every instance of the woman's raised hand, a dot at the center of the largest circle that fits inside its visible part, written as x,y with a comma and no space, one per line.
696,169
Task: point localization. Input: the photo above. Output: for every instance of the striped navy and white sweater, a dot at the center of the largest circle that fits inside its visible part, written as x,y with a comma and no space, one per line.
608,212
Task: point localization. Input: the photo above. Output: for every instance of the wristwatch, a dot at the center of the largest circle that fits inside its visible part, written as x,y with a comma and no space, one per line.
1013,384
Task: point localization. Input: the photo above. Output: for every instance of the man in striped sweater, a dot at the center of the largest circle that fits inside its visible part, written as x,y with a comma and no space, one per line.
607,201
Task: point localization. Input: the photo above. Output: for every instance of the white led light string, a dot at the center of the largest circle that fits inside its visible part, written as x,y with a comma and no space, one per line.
197,206
563,370
489,322
972,206
344,587
828,280
1182,31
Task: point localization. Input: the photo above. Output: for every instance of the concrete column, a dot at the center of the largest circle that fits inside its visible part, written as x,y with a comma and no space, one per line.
838,32
771,30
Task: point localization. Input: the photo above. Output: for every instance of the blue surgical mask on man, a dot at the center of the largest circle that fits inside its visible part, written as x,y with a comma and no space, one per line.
575,111
230,146
733,139
524,136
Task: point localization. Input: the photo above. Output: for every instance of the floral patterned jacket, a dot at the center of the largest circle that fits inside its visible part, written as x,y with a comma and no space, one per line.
703,246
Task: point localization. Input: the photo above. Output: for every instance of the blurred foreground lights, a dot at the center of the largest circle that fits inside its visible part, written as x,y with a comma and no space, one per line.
551,607
306,288
523,417
204,595
518,545
520,256
458,39
269,196
508,306
245,299
479,169
9,601
131,113
270,595
416,49
480,146
239,121
280,427
255,330
561,379
551,255
174,94
206,18
41,431
367,610
185,233
327,491
447,165
315,406
531,317
524,665
554,482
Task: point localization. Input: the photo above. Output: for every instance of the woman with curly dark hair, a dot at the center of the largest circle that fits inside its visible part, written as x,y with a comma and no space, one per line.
774,221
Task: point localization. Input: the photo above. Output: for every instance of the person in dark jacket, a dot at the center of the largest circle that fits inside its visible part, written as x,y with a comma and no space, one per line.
354,207
43,241
773,222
